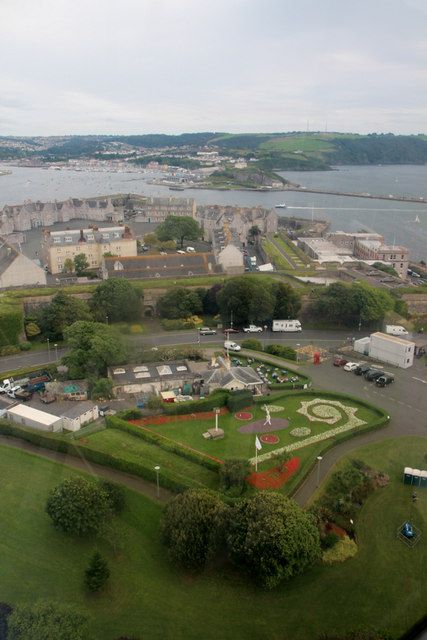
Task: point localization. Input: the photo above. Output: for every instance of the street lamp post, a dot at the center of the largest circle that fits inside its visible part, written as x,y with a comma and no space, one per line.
56,351
319,459
297,347
106,319
157,469
48,349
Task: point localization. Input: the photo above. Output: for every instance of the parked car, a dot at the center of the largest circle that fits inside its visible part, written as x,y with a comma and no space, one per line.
206,331
231,330
362,369
339,361
373,374
252,329
384,380
351,366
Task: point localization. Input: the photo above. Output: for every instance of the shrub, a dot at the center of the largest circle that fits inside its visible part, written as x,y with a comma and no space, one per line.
130,414
8,350
116,495
155,402
25,346
252,343
216,399
282,351
78,507
5,611
232,475
342,550
329,540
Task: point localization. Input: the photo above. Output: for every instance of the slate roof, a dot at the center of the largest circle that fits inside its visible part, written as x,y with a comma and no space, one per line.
246,375
158,266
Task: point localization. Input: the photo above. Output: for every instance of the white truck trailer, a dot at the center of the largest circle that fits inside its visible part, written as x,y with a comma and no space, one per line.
286,325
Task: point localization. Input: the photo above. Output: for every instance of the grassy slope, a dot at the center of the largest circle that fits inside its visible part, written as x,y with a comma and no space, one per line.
383,586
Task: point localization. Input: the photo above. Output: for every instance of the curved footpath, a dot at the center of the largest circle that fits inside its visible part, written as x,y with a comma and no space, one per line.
132,482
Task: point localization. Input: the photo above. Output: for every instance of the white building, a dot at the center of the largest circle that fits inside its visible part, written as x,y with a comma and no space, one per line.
386,348
231,260
27,416
16,270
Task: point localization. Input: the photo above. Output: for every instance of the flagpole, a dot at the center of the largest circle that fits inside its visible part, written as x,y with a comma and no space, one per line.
256,456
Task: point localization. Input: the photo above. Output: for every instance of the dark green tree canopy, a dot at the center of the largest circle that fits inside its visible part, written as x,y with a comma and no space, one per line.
93,347
287,301
97,573
179,228
118,300
272,538
80,263
192,522
351,304
62,312
47,620
249,298
78,507
180,303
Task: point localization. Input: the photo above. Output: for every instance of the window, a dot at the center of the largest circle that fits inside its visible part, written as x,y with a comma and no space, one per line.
56,240
68,239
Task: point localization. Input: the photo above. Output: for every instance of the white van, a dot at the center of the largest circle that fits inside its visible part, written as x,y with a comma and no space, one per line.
396,330
231,346
190,250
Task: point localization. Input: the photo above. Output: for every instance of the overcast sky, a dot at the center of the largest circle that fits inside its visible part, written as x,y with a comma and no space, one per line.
169,66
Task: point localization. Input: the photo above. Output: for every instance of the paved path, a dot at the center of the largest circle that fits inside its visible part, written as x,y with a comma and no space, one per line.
130,481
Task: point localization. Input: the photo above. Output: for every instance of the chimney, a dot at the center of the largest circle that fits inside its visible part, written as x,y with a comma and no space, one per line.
82,238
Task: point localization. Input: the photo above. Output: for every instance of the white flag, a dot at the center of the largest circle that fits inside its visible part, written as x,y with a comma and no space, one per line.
258,444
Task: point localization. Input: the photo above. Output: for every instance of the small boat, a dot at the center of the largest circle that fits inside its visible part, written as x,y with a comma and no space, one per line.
417,218
281,206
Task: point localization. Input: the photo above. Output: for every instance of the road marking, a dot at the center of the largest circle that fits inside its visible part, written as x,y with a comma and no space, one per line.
419,380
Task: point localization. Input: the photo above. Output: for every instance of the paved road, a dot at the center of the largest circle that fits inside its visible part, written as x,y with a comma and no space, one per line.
405,400
324,339
132,482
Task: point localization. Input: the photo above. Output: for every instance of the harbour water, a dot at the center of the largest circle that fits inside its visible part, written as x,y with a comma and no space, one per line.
399,222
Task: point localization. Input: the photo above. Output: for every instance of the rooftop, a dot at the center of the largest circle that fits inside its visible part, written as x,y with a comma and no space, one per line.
395,339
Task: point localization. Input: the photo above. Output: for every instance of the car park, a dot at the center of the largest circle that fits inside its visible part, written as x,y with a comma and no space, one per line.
207,331
373,374
350,366
384,380
339,361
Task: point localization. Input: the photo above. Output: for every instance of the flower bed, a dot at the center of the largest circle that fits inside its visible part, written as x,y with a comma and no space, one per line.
273,478
243,415
300,432
269,438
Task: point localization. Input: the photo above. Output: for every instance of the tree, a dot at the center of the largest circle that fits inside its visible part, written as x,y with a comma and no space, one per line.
97,573
232,475
93,347
179,303
254,233
272,538
62,312
102,389
116,495
5,611
179,228
68,265
118,300
287,301
248,299
192,525
371,303
80,264
47,620
209,299
32,329
78,507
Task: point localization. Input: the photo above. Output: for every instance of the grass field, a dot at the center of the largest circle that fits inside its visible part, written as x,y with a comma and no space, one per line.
305,144
383,586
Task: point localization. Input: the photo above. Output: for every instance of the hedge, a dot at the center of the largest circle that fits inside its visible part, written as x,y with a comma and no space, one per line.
113,422
215,399
72,448
239,399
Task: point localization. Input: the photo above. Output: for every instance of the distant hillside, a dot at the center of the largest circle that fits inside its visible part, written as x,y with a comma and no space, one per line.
272,151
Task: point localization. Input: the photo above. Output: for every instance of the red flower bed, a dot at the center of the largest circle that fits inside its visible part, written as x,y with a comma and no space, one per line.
273,478
331,527
269,438
141,422
243,415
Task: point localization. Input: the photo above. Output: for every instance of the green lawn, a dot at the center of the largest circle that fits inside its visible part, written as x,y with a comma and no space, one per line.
382,587
306,144
133,449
